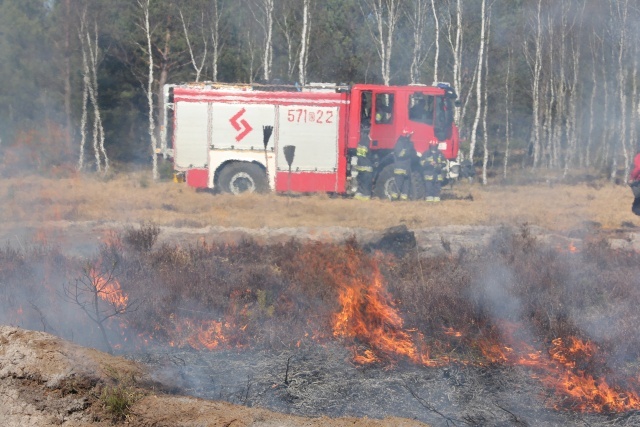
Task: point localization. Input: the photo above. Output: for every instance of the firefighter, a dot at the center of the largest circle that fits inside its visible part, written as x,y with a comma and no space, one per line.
403,153
634,183
433,164
364,167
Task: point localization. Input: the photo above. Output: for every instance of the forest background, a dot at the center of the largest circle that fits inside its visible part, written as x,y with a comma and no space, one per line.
544,84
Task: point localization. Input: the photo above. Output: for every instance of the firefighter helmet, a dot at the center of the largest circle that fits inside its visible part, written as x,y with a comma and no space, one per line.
406,132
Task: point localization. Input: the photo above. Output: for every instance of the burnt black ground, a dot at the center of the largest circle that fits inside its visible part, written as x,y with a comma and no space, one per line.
321,380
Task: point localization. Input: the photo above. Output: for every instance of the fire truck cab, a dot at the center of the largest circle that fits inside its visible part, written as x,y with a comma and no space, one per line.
237,138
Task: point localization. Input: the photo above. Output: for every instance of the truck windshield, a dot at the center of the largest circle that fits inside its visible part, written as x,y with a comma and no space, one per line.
443,118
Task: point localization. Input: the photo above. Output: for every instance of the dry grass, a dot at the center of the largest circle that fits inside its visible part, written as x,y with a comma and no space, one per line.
135,198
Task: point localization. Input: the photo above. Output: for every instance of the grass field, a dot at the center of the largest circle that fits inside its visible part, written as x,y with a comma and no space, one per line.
136,198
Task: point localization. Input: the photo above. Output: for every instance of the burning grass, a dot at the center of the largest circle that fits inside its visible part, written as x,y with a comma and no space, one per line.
567,315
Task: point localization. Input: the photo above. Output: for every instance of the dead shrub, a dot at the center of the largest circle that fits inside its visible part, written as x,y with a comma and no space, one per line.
142,238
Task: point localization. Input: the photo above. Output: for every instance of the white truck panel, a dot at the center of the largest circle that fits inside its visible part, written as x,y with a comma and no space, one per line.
314,133
240,126
191,140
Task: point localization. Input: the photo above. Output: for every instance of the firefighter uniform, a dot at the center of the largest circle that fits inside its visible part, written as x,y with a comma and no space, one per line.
433,164
364,167
403,153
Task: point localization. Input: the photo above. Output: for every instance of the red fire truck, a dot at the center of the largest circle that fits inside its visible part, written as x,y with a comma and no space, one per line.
237,138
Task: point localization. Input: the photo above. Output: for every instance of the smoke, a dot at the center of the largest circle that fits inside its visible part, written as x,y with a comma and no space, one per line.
492,289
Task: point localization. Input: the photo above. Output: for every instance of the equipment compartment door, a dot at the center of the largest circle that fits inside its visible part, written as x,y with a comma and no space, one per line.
190,135
313,130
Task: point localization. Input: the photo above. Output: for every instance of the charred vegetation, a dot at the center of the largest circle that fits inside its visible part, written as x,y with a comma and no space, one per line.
565,315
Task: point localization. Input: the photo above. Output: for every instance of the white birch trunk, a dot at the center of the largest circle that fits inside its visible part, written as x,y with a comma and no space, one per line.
83,118
476,121
304,42
196,67
86,82
90,83
537,71
437,33
287,31
457,60
144,7
507,117
385,29
418,22
93,94
215,39
623,10
265,20
574,95
572,118
485,73
592,100
268,44
561,113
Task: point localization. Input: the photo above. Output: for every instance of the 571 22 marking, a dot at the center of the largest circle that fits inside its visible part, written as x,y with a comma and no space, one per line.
304,115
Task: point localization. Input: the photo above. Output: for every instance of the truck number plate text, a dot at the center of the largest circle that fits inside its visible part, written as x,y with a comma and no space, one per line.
303,115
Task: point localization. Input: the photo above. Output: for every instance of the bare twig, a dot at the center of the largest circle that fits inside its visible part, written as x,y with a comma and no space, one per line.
514,417
430,408
46,326
286,373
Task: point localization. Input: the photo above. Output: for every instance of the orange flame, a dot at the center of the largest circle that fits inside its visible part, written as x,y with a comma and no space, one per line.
109,290
560,370
368,316
586,393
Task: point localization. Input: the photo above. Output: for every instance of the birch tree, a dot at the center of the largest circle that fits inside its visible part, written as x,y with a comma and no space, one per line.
455,38
216,13
304,42
264,17
479,98
592,99
385,15
90,58
145,25
485,130
574,95
622,13
418,18
285,23
535,86
507,116
197,67
436,61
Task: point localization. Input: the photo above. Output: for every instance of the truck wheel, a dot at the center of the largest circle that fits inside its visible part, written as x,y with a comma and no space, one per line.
243,177
385,183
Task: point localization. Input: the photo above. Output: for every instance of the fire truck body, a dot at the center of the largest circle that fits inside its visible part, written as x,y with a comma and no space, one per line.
232,138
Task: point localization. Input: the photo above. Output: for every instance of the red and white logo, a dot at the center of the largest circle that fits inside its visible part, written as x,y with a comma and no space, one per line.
241,125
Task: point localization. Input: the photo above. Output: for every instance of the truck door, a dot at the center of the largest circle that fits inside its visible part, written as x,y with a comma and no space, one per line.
383,133
443,118
421,117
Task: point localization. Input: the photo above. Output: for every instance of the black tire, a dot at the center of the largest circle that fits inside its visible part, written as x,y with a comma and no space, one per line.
386,183
243,177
